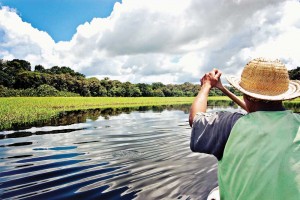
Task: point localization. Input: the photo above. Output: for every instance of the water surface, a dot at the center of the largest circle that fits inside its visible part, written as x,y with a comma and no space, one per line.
131,153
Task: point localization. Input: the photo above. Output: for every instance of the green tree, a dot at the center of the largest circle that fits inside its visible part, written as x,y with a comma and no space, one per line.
6,79
135,91
55,70
9,69
46,90
157,85
177,93
19,65
158,93
102,91
167,92
28,80
39,68
145,89
94,86
295,74
116,92
235,91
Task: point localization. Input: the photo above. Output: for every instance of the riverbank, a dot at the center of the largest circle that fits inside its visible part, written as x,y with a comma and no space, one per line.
15,110
29,109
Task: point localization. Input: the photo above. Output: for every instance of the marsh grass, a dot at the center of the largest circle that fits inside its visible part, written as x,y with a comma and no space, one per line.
16,110
29,109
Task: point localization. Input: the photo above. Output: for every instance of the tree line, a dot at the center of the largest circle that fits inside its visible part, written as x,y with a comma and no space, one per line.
17,79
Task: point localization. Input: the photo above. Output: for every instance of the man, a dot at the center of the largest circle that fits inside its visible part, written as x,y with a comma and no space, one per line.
258,153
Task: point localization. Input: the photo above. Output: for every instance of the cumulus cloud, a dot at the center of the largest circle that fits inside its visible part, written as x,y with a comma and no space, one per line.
20,40
280,39
171,41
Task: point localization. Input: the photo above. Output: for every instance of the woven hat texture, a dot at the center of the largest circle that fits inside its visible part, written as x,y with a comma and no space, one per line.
267,80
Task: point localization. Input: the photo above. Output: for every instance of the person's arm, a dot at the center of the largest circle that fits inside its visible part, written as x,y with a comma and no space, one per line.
208,81
200,103
232,96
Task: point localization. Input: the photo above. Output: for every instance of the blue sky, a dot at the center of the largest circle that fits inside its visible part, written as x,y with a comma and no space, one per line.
171,41
60,18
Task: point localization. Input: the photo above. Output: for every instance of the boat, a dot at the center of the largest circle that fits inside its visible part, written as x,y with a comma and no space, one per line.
214,194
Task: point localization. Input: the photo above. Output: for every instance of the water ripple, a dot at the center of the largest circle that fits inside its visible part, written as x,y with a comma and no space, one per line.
137,155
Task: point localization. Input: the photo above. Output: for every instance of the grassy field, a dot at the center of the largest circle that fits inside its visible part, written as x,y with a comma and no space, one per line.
29,109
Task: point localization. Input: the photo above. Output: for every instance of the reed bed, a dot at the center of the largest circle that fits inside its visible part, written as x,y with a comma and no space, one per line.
29,109
14,110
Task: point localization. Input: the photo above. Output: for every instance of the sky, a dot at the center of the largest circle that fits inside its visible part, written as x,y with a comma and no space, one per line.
169,41
60,18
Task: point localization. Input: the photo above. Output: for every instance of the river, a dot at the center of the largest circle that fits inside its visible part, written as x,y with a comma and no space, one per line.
131,153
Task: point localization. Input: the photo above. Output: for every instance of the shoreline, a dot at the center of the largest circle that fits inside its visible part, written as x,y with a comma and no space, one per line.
14,110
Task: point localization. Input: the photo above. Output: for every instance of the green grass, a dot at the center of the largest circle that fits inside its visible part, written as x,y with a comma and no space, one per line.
29,109
219,98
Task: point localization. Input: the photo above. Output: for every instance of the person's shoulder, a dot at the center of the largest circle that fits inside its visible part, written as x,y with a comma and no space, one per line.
228,114
219,117
229,118
220,114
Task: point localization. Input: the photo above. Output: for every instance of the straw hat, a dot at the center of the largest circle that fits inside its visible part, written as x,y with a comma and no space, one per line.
266,80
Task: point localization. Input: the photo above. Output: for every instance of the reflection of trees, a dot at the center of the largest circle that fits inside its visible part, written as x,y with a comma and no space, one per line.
221,103
20,134
81,116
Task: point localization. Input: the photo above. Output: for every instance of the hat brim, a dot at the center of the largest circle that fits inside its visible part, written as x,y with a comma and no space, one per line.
292,93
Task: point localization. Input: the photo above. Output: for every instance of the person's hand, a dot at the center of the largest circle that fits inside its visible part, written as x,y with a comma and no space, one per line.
212,79
219,84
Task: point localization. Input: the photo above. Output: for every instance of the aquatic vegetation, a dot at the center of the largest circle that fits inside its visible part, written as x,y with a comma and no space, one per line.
29,109
15,110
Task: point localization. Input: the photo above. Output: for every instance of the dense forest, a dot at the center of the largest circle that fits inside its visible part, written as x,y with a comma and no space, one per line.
17,79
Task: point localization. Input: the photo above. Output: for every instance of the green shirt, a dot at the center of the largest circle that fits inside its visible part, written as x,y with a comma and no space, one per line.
261,159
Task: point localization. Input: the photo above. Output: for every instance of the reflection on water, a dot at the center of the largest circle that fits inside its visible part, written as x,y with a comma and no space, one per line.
131,153
81,116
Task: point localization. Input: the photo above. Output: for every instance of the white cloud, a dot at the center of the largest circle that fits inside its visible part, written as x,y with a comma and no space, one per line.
20,40
279,40
167,41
